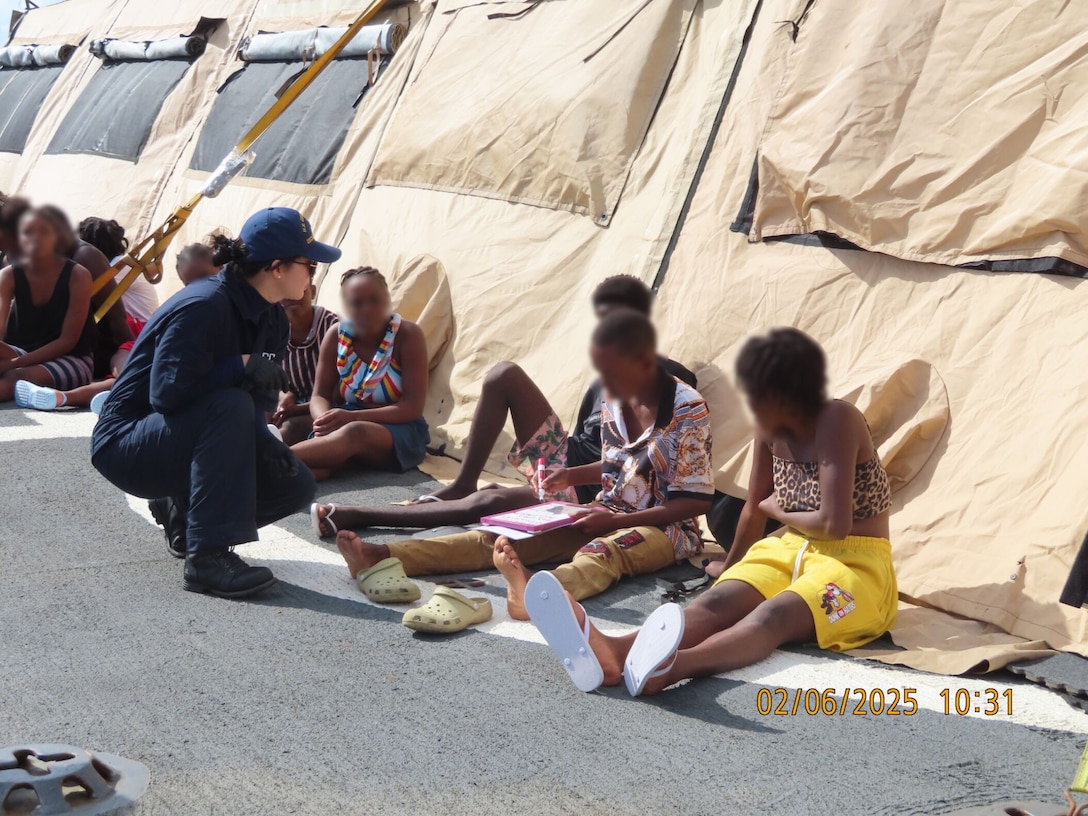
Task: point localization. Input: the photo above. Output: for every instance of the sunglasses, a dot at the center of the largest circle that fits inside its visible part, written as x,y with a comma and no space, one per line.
311,265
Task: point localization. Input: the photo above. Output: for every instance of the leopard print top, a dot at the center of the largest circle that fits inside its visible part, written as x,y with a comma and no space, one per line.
797,487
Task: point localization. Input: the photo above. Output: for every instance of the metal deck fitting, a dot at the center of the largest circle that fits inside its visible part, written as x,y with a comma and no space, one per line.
43,780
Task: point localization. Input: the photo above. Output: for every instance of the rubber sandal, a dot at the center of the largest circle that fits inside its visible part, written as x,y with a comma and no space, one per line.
38,397
315,520
675,590
550,611
98,402
447,612
654,651
386,583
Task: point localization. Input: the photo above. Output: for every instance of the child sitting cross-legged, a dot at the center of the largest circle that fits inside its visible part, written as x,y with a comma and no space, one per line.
45,301
655,474
194,263
829,579
309,325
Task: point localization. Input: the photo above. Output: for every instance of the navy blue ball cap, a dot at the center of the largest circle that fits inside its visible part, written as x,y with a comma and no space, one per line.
279,233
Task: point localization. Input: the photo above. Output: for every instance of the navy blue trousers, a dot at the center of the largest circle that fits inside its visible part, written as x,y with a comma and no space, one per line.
205,458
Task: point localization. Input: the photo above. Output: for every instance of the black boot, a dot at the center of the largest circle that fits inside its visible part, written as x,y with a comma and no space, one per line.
172,520
222,573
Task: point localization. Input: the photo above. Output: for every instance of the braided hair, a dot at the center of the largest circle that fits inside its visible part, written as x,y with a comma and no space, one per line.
106,236
364,270
786,364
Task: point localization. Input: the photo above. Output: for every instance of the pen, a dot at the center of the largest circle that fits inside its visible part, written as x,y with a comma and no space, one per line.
540,475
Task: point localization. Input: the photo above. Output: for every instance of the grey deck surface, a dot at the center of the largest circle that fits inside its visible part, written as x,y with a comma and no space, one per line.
304,703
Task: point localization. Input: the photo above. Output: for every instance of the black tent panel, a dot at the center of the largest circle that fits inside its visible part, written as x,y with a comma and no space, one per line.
1076,588
22,93
302,145
115,113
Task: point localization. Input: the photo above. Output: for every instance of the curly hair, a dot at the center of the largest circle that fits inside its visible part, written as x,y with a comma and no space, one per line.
786,364
628,331
623,290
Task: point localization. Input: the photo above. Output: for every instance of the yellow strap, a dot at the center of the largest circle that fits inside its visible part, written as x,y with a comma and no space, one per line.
146,257
1080,779
307,77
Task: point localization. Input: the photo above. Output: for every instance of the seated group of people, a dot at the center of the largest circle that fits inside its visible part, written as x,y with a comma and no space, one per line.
229,408
640,456
52,352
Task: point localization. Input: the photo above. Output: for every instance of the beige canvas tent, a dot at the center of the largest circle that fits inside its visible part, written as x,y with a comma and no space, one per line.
905,193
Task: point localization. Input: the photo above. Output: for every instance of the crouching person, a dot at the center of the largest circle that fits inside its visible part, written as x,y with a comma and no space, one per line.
655,473
186,418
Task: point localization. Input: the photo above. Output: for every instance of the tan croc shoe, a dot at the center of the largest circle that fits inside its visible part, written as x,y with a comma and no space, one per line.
446,612
386,583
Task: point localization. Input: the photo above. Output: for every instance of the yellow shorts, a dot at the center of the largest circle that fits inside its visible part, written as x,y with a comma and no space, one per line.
849,585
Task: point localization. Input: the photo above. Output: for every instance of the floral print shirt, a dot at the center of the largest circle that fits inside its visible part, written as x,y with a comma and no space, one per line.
669,460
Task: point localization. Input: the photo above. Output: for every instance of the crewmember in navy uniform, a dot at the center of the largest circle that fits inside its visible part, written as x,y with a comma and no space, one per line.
186,418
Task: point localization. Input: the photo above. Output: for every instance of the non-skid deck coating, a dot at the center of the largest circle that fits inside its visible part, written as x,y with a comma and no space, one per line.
312,700
1063,673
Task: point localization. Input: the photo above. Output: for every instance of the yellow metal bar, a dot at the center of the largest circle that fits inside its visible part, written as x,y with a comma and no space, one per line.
306,79
146,257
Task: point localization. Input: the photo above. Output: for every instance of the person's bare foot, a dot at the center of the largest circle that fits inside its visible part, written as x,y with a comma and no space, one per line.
516,575
325,521
359,554
715,568
453,491
659,684
610,651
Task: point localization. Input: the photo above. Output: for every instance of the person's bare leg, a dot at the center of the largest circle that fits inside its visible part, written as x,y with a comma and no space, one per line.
359,555
364,443
468,510
507,391
81,397
785,618
716,609
296,429
117,361
7,352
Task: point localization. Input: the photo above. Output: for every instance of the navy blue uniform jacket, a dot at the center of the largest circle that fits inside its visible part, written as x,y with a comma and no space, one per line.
192,345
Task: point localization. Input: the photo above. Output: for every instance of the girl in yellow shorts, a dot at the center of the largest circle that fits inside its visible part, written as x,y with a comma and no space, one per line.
828,578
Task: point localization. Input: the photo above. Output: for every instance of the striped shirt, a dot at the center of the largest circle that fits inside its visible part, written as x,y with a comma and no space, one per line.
300,361
670,460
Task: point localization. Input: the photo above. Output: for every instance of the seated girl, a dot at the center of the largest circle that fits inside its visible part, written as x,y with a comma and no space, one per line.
194,263
140,299
829,579
45,302
370,385
310,323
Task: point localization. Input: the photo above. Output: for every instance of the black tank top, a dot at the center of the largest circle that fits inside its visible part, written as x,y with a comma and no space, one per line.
30,327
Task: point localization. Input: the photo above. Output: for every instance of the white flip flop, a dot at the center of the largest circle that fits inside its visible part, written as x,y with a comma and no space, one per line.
654,650
315,519
550,610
